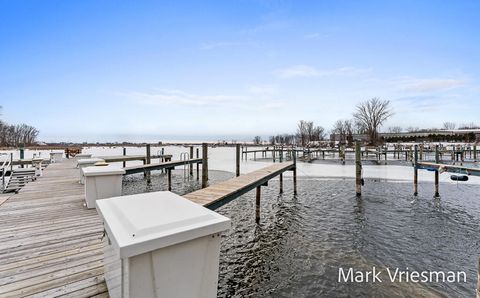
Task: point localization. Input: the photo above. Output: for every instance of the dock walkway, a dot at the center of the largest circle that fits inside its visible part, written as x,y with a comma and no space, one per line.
448,168
50,244
221,193
159,166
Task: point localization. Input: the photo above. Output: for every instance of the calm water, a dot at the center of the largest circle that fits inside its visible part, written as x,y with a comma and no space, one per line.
301,241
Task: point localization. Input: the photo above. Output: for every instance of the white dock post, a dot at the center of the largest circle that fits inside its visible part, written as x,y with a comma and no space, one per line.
83,163
102,182
161,245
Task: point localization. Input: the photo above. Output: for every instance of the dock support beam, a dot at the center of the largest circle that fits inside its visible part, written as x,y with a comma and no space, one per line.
437,194
204,164
475,153
237,163
124,154
415,171
163,157
294,175
191,156
478,279
358,169
22,155
257,205
148,161
198,171
281,183
169,174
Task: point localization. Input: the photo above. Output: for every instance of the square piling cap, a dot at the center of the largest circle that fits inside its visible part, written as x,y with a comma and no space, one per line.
140,223
102,171
89,160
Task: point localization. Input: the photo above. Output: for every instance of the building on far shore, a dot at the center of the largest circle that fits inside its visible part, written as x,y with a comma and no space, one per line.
470,135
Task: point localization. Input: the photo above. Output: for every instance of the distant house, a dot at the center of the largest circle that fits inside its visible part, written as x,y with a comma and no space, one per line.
419,134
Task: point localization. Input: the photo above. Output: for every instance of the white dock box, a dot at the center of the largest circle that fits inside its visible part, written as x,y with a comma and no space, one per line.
56,156
161,245
88,162
102,182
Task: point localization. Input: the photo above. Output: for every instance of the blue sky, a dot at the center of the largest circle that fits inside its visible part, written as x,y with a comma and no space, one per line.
93,70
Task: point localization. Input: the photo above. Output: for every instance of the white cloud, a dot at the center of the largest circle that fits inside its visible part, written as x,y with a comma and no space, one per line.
314,35
249,102
430,85
310,71
297,71
263,89
178,97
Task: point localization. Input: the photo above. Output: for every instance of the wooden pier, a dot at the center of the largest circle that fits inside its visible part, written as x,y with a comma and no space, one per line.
125,158
223,192
160,166
467,153
448,168
438,168
51,244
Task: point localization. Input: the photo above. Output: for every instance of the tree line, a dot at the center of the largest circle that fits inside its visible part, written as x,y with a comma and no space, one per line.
307,134
14,135
467,137
368,118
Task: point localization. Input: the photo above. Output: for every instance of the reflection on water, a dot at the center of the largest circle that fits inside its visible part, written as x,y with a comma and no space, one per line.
302,241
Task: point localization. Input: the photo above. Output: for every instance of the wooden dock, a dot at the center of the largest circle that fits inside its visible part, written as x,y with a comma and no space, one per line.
221,193
50,244
160,166
448,168
122,158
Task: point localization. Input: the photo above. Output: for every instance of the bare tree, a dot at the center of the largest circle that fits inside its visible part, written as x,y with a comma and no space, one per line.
271,140
371,115
340,131
394,129
16,135
303,131
344,130
449,125
471,125
257,140
318,133
413,129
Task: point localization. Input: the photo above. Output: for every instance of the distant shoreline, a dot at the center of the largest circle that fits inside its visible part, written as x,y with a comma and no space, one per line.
60,146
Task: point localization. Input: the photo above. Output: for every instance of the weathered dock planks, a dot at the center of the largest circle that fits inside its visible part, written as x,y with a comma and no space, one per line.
122,158
50,244
160,166
449,168
223,192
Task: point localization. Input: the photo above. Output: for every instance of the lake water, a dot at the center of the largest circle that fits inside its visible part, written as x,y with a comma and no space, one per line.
302,240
